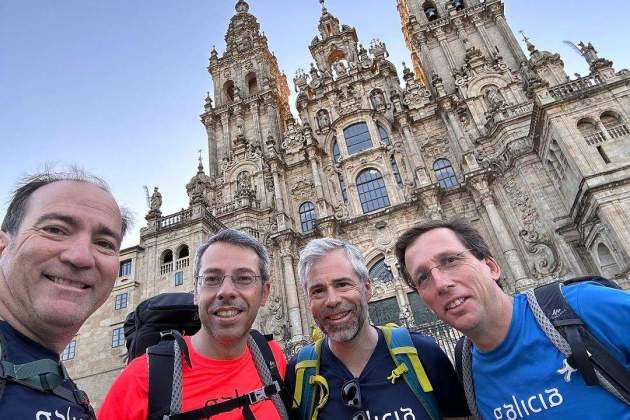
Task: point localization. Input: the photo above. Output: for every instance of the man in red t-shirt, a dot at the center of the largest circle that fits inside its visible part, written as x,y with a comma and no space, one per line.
232,283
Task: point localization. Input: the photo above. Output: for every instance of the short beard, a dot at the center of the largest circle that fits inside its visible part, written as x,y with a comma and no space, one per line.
349,333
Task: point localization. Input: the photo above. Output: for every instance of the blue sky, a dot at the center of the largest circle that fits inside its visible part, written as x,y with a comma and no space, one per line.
117,86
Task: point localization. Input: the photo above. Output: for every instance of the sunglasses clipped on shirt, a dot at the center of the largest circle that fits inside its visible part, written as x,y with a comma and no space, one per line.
351,397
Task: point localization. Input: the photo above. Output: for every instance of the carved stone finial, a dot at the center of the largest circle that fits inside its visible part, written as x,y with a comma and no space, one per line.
241,6
200,166
323,3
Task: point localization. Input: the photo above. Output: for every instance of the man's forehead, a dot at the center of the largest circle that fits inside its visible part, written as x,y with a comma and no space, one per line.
222,255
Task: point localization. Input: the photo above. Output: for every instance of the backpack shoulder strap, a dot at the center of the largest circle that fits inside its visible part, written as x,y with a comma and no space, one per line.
268,369
165,375
309,384
408,365
44,375
463,367
566,330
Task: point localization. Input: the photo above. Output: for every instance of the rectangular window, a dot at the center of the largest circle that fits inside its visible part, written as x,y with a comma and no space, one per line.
118,337
121,301
70,350
125,268
179,278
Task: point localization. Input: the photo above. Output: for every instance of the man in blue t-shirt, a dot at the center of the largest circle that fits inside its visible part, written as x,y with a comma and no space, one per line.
59,246
517,372
355,360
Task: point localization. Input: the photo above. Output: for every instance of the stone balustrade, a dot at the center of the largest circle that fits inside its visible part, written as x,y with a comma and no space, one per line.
618,131
175,219
595,138
575,87
182,263
166,268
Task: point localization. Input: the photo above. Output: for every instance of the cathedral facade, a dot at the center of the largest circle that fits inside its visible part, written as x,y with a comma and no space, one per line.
474,126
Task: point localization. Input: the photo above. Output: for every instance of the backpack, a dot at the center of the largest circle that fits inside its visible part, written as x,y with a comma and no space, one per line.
45,375
568,334
156,326
311,386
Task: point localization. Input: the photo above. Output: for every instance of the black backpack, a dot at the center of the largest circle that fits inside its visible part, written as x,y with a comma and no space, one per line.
569,334
156,326
44,375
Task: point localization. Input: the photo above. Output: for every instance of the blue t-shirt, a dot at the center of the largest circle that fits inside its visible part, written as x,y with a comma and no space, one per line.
380,398
23,403
527,377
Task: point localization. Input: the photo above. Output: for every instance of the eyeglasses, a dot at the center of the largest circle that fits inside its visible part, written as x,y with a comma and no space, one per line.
448,263
351,396
240,281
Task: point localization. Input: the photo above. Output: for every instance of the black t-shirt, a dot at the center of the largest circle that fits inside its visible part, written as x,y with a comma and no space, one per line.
379,396
23,403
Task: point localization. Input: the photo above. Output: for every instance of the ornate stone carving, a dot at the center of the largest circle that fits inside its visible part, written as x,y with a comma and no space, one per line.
302,188
538,243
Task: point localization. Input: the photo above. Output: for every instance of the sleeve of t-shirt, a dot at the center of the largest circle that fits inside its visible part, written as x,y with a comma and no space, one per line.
446,386
606,312
127,398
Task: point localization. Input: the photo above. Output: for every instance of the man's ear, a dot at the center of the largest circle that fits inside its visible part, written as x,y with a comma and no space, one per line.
266,289
4,241
493,265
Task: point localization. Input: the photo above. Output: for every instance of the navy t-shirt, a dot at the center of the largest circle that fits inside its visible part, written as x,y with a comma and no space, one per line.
379,396
21,402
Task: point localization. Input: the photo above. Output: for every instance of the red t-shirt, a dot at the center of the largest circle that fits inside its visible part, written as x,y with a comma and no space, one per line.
208,379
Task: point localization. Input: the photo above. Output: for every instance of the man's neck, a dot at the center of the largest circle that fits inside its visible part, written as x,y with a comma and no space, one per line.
354,354
209,347
493,330
55,342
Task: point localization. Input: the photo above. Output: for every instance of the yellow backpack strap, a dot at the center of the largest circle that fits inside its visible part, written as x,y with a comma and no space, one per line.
308,382
406,360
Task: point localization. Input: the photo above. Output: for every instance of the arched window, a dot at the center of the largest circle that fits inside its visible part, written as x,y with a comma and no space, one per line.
396,171
380,271
307,216
372,192
167,256
335,152
252,83
592,135
228,90
614,125
383,133
607,264
357,137
430,10
609,120
445,174
182,252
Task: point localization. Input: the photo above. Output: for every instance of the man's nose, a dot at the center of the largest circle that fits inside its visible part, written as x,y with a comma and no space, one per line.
227,289
332,297
441,281
79,252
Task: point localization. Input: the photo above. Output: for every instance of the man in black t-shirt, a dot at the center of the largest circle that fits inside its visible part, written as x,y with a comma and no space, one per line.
355,361
59,246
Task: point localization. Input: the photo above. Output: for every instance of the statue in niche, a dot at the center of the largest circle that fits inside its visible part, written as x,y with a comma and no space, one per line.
314,72
494,99
378,100
243,184
340,68
156,200
237,93
588,52
323,120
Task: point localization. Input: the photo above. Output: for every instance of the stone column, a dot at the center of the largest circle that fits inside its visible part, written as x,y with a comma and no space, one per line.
420,42
255,110
227,142
212,147
281,219
601,127
507,34
439,34
317,180
502,233
293,304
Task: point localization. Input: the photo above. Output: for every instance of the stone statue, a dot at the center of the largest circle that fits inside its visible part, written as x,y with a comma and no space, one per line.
494,99
588,52
323,120
243,182
340,68
156,200
378,100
